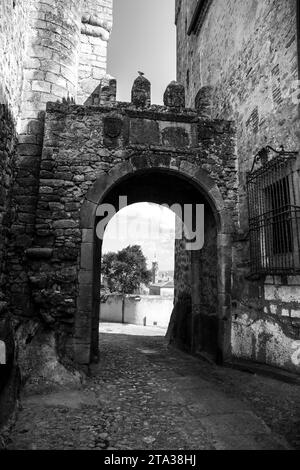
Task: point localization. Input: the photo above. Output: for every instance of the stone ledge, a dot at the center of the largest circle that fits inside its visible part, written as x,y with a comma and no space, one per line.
265,370
39,253
153,112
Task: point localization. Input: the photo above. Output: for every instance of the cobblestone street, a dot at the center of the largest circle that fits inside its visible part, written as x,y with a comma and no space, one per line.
144,395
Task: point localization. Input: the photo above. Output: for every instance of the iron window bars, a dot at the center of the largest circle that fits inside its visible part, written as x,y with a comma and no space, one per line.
274,213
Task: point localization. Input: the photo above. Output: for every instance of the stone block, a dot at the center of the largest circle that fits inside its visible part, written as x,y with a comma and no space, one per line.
87,256
121,170
87,215
85,278
39,253
85,298
295,313
144,132
98,189
174,96
65,224
82,352
29,149
141,92
87,235
38,85
175,137
294,281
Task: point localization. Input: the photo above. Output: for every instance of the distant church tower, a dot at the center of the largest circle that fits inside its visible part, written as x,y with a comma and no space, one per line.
154,271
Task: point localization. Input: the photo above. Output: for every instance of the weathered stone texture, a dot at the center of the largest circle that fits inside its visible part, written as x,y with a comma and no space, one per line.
8,380
83,144
240,62
247,52
13,36
13,30
50,71
174,96
239,65
141,92
13,27
105,93
7,156
50,74
40,46
96,25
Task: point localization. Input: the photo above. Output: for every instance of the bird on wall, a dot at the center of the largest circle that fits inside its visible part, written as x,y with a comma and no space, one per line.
141,73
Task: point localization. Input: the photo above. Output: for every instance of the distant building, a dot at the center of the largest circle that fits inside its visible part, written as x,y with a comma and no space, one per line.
154,272
165,289
165,276
162,281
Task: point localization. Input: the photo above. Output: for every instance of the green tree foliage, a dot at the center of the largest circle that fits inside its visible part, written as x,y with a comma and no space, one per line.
125,270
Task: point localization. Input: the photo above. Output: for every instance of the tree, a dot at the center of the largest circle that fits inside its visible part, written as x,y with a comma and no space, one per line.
125,271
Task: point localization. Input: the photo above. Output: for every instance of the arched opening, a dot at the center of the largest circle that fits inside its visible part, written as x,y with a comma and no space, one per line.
201,317
137,270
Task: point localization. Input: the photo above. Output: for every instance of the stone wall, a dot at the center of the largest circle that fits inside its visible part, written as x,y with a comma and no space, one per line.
13,29
13,36
144,310
96,25
83,145
50,74
246,51
241,59
40,46
8,373
7,157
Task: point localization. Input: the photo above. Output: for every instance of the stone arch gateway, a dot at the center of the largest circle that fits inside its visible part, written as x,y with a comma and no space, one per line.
92,155
86,338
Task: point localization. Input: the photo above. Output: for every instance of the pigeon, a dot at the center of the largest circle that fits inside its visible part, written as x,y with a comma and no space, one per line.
141,74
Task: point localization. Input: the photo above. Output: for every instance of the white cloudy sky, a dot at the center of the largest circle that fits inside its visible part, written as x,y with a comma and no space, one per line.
149,225
143,38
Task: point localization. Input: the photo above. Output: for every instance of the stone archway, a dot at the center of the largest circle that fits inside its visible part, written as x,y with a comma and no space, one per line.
107,184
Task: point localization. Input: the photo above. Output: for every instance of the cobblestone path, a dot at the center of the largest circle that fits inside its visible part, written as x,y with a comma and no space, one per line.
144,395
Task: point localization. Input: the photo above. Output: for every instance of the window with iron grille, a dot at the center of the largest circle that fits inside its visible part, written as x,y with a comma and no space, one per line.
274,214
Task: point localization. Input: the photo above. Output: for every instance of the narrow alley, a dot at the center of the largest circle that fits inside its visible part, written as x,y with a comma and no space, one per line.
145,395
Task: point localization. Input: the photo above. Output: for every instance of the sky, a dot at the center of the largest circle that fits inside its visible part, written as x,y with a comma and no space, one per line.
149,225
143,39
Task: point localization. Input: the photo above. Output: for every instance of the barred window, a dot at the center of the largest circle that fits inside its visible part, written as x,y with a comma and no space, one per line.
274,215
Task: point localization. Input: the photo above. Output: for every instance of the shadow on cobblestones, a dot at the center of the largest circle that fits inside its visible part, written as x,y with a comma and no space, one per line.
145,395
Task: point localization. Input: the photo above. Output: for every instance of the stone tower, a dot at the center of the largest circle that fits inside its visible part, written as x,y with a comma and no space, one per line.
51,50
154,271
58,52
